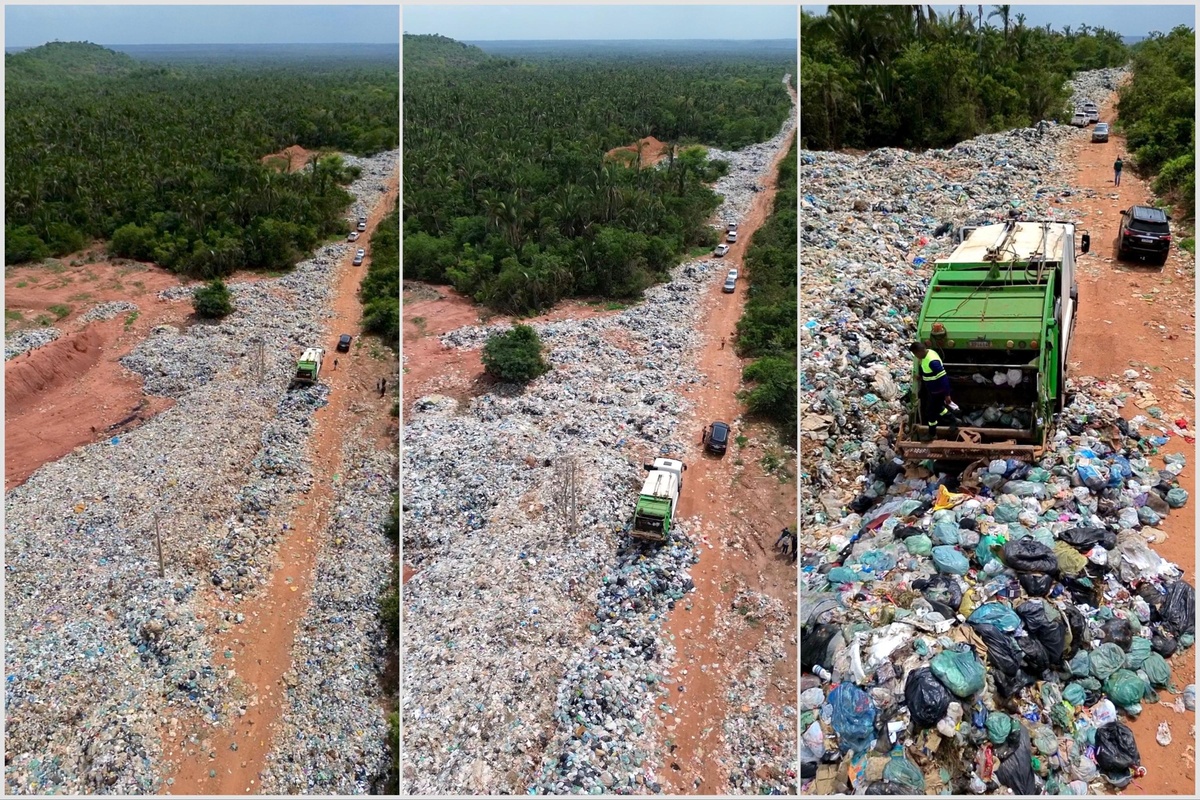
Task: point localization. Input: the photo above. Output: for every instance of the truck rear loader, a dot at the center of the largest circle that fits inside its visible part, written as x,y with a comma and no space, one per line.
655,511
308,368
1000,312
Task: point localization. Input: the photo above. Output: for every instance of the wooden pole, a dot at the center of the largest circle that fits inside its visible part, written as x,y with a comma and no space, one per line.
158,539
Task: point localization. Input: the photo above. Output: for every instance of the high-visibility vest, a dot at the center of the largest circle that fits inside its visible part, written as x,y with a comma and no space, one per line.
927,373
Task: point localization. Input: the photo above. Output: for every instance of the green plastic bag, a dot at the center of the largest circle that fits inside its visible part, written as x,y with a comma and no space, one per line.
1038,475
1080,666
1177,498
1139,650
1062,717
1157,670
1051,694
983,550
999,725
1070,560
1045,740
1074,694
1107,659
901,771
1125,688
949,559
919,545
946,533
839,575
959,671
1007,512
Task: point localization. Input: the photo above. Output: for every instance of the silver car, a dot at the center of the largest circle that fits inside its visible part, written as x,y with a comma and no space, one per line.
1100,132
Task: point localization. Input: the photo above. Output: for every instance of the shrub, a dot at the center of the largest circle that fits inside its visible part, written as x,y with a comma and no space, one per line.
213,301
22,244
515,356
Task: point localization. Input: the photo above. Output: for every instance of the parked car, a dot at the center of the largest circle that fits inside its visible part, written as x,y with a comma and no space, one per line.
731,236
1145,232
353,236
1100,132
1092,111
733,273
343,345
1080,120
362,223
359,256
721,250
716,438
732,226
730,285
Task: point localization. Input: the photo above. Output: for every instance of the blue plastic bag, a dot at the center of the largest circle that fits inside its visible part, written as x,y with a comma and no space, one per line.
853,717
996,614
949,559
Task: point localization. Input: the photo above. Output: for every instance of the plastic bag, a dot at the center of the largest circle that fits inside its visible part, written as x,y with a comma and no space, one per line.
1030,555
1025,489
1070,561
996,614
1003,652
1084,539
947,499
1080,664
1107,659
1016,771
1036,659
1164,644
1177,497
959,671
1045,740
1117,631
812,698
983,550
886,788
1116,749
1038,475
999,726
1178,610
899,770
1074,694
919,545
926,698
1157,670
946,533
943,591
814,645
1148,516
840,575
1007,512
1139,649
1125,688
1051,634
1035,584
853,717
1009,685
950,560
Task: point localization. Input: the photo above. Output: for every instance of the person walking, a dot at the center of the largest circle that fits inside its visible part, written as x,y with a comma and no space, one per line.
1118,165
935,388
722,343
382,386
335,365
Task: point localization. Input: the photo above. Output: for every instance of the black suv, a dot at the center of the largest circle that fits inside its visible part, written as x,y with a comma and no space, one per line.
716,438
1145,231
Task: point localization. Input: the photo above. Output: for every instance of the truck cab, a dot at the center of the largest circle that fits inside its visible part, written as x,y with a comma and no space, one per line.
1000,313
655,511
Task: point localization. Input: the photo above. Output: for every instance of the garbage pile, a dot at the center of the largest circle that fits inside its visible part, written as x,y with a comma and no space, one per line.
1094,85
994,629
106,311
22,341
99,649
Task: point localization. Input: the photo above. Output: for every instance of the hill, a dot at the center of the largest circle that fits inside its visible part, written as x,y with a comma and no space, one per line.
434,51
56,61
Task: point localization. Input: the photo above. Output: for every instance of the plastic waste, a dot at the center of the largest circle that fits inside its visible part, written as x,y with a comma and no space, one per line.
1116,748
950,560
1189,697
899,770
853,717
996,614
1016,771
1051,634
1124,688
1030,555
1158,672
1003,653
959,671
926,698
919,545
1178,610
946,533
1106,659
1177,497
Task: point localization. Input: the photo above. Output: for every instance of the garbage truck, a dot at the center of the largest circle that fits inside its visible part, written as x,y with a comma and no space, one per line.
308,368
1000,311
655,510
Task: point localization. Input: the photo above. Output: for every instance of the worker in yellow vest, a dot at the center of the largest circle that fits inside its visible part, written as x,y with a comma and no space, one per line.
935,388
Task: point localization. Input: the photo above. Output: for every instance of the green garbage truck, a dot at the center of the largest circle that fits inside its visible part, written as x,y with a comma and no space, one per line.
655,510
1000,312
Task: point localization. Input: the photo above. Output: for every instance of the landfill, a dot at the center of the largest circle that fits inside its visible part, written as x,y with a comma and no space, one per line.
22,341
991,631
100,651
535,659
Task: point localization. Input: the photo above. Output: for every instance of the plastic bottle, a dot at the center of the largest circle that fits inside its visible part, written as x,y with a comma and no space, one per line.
822,673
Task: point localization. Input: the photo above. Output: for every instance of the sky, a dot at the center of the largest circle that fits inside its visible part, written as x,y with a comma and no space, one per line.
29,26
498,23
1127,20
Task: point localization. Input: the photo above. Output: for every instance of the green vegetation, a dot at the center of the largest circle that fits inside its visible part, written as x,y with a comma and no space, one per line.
1156,111
903,76
381,286
60,310
389,617
165,161
767,330
213,301
509,195
515,356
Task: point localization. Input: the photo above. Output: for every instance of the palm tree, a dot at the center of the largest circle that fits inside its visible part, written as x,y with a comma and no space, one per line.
1003,13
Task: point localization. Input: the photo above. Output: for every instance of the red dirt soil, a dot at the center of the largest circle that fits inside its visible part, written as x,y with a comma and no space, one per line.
653,151
296,157
262,648
1139,317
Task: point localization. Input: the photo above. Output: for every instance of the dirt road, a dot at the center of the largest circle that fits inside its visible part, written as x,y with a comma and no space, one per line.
742,509
1142,318
229,760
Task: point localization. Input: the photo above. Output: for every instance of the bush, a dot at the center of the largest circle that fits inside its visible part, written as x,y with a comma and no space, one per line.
213,301
22,244
515,356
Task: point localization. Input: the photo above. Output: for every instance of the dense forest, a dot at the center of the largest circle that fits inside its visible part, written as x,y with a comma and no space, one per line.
1157,113
905,76
381,287
767,330
165,161
509,195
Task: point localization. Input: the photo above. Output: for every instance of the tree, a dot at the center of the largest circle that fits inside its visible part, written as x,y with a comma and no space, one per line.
515,356
213,300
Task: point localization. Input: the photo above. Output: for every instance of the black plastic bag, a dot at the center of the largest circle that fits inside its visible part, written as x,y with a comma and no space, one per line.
1051,635
1084,539
1003,652
1116,749
814,645
1119,632
942,592
1036,659
1009,685
1178,610
888,471
887,787
1081,593
862,504
1078,627
1016,771
1163,644
927,699
968,524
1030,555
1035,584
902,532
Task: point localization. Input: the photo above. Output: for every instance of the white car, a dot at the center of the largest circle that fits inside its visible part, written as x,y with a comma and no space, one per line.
359,256
732,226
353,236
731,236
733,273
721,250
362,223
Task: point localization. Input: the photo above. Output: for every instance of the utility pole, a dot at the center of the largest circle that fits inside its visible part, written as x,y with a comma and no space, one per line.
568,493
158,539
